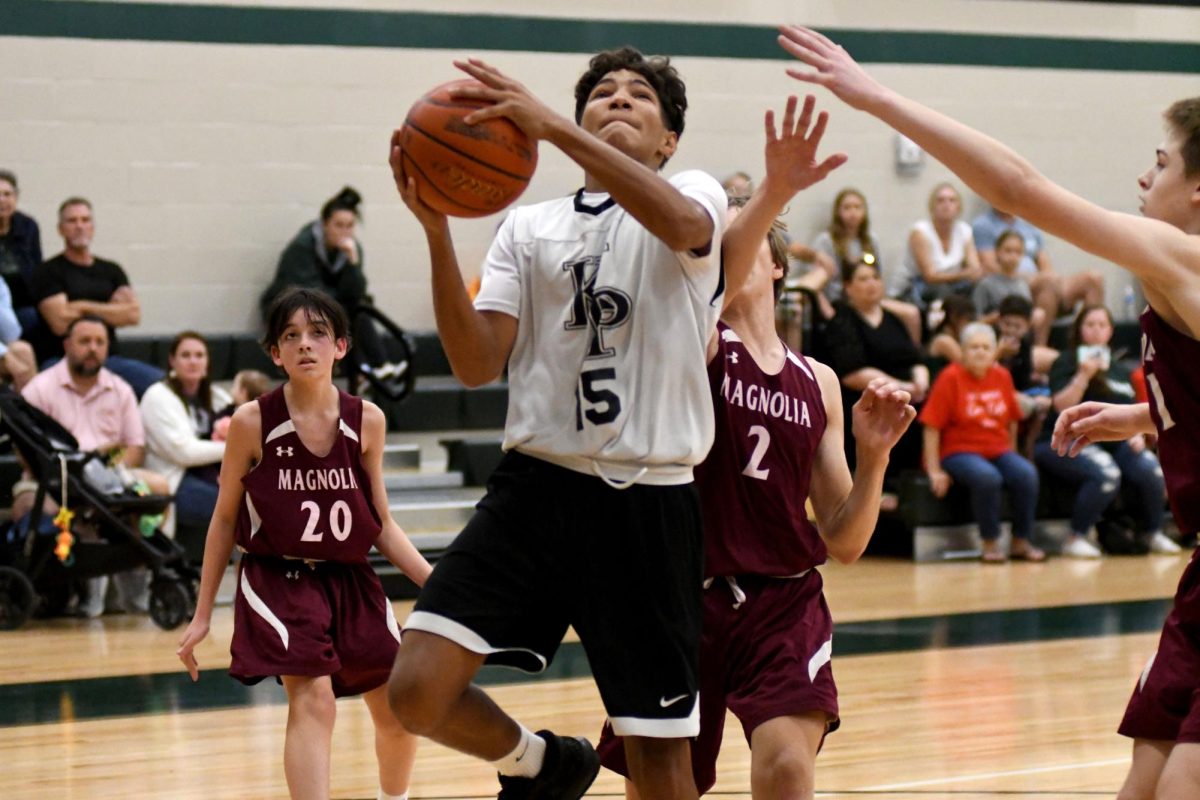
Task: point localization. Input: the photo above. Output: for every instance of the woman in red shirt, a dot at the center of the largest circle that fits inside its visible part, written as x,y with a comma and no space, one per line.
970,424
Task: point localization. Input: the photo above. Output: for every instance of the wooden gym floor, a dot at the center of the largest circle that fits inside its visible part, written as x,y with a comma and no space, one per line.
958,682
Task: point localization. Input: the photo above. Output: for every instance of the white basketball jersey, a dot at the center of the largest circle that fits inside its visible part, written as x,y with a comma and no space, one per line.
607,374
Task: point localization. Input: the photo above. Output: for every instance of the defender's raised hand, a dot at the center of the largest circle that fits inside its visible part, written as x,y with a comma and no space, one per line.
791,153
832,66
881,416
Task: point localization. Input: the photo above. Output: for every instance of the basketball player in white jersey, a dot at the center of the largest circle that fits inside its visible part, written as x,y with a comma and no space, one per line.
1162,249
601,306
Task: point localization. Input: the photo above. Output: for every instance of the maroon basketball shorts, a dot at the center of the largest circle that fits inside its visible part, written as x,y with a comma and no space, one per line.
1166,701
549,548
302,618
766,658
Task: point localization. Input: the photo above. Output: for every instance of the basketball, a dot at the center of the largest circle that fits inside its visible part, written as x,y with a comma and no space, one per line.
464,170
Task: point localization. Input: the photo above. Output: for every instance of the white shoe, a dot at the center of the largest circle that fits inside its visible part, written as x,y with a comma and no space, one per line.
1079,547
1161,543
96,589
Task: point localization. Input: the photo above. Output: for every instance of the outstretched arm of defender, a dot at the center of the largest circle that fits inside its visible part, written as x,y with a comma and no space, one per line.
477,343
1093,422
848,508
792,166
680,222
1158,253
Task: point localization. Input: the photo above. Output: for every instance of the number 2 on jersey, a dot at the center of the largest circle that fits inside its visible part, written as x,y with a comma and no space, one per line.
754,467
339,521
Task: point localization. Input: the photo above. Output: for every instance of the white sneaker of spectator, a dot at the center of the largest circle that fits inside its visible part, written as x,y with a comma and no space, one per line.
1080,547
97,587
1161,543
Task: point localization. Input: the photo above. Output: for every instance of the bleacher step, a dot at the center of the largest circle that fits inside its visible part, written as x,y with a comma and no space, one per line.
401,456
434,509
418,481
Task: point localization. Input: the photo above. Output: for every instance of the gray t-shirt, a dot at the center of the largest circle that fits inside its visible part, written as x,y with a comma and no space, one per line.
993,288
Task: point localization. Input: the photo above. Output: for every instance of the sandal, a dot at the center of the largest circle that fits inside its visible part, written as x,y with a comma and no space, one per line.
992,554
1028,553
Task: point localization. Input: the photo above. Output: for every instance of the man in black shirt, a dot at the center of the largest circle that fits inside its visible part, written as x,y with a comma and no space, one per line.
76,283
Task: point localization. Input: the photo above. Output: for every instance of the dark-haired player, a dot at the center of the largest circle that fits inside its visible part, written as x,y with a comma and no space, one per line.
302,496
767,631
601,305
1162,249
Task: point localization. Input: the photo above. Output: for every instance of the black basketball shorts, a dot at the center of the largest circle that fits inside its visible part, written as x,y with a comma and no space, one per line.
549,548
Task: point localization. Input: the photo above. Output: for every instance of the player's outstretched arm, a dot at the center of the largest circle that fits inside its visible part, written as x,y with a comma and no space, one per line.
1092,422
680,222
1158,253
392,542
791,167
477,343
847,509
241,444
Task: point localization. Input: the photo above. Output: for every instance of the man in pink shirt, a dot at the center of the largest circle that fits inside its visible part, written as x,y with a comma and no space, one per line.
96,406
100,411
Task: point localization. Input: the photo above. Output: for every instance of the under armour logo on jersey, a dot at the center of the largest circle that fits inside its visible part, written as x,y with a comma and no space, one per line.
293,575
597,309
281,451
732,357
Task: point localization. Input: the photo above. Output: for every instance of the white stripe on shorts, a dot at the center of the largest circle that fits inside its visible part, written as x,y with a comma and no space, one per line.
820,658
462,636
260,608
392,625
681,728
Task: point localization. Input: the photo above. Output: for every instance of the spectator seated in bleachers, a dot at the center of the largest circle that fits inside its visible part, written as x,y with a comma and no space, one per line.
99,409
1053,293
1086,371
970,424
178,414
20,254
864,341
325,255
17,362
1026,362
248,384
944,346
940,260
848,241
76,283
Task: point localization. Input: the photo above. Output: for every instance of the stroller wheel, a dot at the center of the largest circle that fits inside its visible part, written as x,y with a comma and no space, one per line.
17,598
170,603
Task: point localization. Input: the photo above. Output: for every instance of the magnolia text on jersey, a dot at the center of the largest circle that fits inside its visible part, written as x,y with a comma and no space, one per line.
311,480
763,400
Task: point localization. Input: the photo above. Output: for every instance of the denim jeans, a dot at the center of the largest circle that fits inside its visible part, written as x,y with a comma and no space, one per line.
195,500
1098,473
984,478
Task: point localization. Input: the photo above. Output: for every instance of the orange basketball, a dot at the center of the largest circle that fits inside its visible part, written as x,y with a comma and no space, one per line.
464,170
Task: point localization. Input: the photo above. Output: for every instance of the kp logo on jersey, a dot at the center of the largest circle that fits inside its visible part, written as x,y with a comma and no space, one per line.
597,309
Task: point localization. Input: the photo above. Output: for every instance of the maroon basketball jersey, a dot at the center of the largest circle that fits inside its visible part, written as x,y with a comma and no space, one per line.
754,482
299,505
1172,362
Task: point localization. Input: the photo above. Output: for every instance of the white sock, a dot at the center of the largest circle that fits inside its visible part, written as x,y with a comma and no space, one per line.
385,796
525,761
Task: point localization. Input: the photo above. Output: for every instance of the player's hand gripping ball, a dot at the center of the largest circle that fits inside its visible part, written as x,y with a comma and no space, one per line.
464,170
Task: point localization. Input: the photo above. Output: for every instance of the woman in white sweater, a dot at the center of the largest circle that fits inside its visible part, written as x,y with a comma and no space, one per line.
178,414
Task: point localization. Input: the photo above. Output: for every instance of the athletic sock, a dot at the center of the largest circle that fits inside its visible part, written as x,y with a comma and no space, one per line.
525,761
385,796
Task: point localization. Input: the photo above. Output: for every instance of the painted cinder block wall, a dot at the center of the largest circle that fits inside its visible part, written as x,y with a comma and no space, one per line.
206,141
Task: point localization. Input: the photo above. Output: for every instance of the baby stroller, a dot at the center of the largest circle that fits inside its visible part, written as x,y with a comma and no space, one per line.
33,577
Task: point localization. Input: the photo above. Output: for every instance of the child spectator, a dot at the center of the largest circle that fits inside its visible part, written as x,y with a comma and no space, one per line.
249,384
